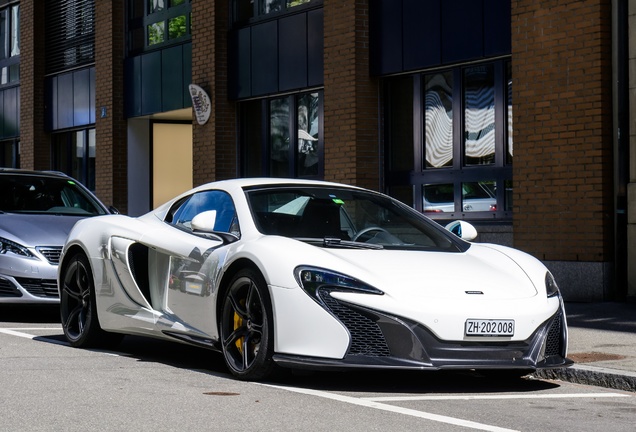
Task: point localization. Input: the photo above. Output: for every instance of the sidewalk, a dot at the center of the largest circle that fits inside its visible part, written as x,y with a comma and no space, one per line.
602,344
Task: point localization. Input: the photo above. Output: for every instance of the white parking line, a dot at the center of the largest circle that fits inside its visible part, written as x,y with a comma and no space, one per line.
33,328
15,332
399,410
487,397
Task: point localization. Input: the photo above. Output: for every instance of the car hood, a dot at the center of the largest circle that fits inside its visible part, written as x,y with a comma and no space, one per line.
482,272
36,229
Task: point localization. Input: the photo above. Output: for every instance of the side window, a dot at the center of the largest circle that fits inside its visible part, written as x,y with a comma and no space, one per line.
184,211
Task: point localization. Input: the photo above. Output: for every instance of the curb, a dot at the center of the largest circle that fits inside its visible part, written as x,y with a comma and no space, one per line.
591,375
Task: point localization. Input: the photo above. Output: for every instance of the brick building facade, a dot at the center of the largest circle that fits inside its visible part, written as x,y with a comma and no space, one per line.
425,100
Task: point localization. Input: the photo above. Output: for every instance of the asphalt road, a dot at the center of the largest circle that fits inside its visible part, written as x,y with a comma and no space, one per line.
148,385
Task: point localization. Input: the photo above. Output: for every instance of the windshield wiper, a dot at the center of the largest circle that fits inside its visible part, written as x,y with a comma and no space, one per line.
335,242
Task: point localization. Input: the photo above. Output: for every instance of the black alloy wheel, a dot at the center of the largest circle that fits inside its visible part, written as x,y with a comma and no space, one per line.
246,327
78,312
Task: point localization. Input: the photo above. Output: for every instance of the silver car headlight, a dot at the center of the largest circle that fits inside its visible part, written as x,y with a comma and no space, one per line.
8,246
313,280
551,287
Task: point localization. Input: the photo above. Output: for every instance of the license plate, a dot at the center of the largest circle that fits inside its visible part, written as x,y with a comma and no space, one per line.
492,327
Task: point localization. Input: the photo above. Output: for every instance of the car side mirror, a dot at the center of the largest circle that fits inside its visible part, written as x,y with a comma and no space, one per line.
203,224
204,221
462,229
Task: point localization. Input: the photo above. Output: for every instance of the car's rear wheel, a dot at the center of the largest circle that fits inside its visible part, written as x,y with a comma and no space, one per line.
78,311
246,327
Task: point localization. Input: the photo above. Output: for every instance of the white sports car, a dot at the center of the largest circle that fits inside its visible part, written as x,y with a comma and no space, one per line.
307,274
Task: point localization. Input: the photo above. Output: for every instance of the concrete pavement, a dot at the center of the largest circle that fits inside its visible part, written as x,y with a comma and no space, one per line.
602,344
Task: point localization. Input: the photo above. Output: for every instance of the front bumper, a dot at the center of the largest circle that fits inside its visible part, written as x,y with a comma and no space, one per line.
382,341
28,290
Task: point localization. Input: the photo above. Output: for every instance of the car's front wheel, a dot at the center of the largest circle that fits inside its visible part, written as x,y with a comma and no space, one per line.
78,311
246,327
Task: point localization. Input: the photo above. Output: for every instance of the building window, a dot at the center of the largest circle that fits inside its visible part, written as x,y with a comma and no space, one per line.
10,44
70,34
269,126
246,10
449,140
10,154
158,23
74,154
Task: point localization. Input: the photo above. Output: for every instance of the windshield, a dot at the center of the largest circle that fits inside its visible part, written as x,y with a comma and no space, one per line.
42,194
340,217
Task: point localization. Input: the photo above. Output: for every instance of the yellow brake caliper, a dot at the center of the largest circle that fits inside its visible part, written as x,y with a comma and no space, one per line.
238,322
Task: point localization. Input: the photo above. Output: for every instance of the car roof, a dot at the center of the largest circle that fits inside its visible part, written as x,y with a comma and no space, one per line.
20,171
269,181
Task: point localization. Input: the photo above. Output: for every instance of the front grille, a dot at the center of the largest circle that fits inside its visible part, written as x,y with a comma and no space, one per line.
7,289
40,287
553,340
51,253
366,337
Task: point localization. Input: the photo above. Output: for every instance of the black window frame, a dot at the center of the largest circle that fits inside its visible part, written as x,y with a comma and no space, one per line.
11,62
265,136
140,20
10,153
500,171
86,173
257,16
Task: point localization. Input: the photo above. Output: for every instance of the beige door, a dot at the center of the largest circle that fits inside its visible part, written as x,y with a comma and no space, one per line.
171,161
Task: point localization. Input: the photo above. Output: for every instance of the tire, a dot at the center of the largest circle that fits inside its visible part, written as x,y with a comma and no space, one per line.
246,327
78,311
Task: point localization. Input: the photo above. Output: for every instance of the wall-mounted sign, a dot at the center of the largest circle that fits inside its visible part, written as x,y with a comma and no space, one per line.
200,103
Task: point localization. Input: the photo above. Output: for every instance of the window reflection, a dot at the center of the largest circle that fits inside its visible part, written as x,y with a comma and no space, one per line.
156,33
476,197
292,3
247,9
9,44
308,129
269,6
155,5
439,198
177,27
479,196
479,115
438,120
279,137
157,22
74,154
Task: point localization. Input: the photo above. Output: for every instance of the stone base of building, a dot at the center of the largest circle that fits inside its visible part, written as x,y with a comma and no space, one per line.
578,281
584,281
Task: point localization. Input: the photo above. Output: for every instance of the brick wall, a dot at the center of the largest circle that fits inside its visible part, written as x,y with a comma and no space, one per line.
563,180
35,151
214,144
351,132
110,130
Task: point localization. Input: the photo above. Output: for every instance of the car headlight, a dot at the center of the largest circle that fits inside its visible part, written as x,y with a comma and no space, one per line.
313,280
8,246
551,287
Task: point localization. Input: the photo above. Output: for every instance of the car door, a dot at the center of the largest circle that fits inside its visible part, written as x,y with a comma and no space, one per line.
195,260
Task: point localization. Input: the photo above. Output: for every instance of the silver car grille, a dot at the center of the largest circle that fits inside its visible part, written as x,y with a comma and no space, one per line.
7,289
40,287
51,253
